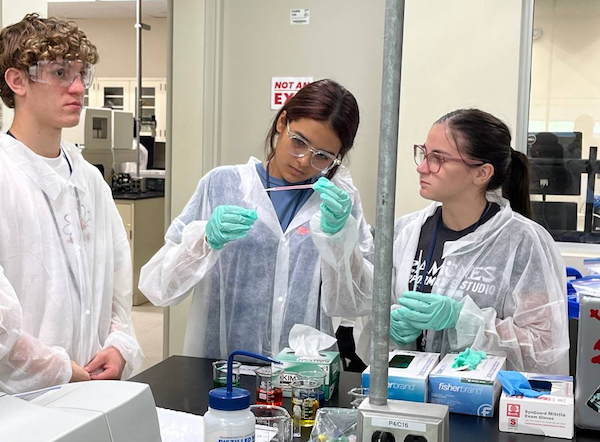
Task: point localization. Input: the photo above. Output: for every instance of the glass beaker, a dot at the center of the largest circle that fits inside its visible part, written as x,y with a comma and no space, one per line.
220,374
317,375
305,403
276,418
357,395
268,389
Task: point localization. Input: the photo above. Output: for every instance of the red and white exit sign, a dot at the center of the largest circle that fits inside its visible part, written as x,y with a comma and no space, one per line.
284,88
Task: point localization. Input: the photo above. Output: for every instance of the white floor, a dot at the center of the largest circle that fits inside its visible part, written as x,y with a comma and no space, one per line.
148,323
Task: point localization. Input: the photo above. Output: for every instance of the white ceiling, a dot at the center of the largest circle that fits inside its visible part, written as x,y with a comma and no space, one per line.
106,9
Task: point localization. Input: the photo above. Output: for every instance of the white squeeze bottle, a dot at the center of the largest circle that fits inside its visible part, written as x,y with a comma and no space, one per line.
229,418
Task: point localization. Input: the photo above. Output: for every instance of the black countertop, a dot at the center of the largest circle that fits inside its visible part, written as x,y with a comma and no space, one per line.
138,196
182,383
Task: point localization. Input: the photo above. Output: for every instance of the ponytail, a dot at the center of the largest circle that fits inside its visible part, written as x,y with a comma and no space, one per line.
516,188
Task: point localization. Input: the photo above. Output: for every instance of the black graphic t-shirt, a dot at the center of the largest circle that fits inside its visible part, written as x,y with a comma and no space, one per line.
433,271
444,234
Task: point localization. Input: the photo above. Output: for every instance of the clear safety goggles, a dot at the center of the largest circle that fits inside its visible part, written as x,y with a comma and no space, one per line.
299,148
62,73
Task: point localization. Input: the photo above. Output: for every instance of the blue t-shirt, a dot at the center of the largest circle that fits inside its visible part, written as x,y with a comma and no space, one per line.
287,203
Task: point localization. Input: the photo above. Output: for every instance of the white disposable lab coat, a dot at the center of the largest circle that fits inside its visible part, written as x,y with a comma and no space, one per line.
249,294
511,279
65,270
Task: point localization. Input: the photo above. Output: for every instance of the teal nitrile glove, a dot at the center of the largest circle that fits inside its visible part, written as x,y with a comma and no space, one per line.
336,206
228,223
401,332
469,358
428,311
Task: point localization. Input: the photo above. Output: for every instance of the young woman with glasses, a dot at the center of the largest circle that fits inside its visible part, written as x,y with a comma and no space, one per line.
249,251
472,270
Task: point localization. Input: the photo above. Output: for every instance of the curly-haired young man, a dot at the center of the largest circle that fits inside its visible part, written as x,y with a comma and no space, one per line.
65,264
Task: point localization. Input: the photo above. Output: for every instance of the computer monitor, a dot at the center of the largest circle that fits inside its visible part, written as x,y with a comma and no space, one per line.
555,215
558,145
553,156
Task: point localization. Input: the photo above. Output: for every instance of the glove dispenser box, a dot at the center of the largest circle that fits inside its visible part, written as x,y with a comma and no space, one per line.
472,392
407,374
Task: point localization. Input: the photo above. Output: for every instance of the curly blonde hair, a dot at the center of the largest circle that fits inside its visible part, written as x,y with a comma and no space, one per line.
35,39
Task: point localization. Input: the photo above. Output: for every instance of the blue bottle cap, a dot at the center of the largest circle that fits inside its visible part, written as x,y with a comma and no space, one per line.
229,400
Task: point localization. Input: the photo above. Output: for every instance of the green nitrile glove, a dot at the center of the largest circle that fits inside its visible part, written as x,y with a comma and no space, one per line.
401,332
428,311
336,206
228,223
469,358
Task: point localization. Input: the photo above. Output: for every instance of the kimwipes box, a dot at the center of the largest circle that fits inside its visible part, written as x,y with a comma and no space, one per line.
407,374
328,361
467,391
548,415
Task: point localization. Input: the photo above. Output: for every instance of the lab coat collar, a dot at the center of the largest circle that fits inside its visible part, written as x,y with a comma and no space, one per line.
484,233
50,182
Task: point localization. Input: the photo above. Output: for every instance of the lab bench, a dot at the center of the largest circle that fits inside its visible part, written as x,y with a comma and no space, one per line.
182,383
143,215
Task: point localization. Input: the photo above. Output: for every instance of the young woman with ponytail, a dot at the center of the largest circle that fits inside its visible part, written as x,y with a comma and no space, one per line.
472,269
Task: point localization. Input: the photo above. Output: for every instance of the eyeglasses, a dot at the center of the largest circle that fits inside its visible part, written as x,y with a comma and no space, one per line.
62,73
299,148
435,160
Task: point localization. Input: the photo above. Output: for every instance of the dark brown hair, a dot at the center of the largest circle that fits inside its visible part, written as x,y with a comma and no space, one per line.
35,39
479,135
323,100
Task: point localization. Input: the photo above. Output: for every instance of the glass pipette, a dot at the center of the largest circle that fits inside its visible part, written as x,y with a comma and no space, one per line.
299,186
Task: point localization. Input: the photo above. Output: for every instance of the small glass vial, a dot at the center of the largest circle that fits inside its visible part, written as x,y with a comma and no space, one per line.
229,418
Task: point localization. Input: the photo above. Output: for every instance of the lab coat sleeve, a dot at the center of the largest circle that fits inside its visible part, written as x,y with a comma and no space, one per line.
533,332
346,264
122,334
185,258
25,362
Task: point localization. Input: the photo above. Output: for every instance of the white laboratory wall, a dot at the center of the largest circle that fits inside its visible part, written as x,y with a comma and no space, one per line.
186,100
565,84
462,53
115,40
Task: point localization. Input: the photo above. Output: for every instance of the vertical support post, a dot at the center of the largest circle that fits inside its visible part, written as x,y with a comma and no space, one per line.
386,194
138,76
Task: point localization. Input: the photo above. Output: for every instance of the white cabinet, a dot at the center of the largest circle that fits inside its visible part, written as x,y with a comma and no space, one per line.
120,93
144,223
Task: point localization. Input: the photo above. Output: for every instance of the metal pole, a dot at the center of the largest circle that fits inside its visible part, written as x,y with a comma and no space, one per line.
138,75
386,194
523,98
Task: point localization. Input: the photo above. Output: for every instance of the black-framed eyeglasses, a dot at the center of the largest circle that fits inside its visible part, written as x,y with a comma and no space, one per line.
299,148
435,160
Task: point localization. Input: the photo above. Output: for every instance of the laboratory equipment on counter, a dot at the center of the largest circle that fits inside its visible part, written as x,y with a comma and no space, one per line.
403,421
587,377
99,411
96,127
268,389
229,417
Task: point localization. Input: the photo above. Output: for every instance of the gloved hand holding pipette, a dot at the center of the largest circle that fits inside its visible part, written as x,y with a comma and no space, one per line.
336,206
228,223
429,311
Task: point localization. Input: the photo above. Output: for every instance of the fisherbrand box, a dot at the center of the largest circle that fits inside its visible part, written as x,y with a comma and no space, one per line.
407,374
328,361
473,392
548,415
